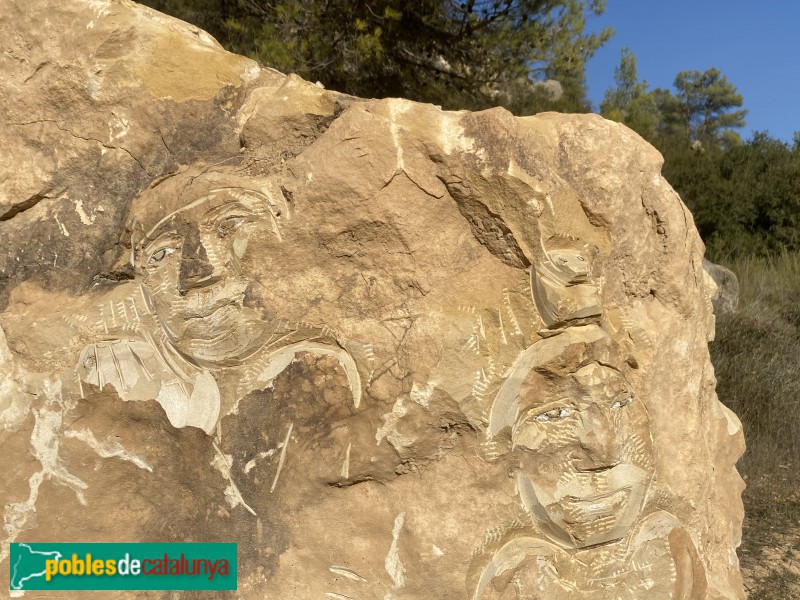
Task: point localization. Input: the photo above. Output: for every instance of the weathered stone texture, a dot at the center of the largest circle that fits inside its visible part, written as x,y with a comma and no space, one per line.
393,352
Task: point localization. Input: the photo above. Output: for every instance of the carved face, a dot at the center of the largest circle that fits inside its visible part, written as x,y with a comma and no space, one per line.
572,265
190,265
561,284
586,455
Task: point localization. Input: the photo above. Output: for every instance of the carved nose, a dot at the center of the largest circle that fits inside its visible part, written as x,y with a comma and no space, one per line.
195,270
599,443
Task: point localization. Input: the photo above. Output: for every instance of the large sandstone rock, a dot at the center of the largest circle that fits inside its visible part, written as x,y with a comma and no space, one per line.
392,352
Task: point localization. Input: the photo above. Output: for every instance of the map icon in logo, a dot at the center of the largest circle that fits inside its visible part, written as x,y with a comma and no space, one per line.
27,563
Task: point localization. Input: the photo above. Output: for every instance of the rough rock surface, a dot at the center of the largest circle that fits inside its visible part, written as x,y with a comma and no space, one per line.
725,299
393,352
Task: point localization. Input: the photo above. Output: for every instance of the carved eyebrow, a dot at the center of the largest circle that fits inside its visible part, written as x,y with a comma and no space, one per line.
235,195
228,207
193,204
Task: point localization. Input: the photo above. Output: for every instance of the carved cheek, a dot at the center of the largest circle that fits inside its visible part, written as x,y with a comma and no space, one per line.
162,281
531,437
550,440
637,447
212,248
240,245
549,463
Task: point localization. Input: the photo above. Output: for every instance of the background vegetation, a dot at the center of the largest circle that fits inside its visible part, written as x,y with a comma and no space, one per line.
530,56
755,357
522,54
745,195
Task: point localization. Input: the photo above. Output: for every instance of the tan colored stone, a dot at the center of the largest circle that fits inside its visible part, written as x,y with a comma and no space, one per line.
392,352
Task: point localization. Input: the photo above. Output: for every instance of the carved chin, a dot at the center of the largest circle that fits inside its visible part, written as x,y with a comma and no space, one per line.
590,521
224,338
579,522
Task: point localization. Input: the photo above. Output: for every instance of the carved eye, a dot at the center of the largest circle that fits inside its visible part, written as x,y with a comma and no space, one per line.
554,414
229,225
159,255
622,401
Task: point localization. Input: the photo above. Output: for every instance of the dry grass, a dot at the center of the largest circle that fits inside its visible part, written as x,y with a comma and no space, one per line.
757,360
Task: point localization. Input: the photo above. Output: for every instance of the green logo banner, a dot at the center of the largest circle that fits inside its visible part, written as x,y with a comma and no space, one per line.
63,566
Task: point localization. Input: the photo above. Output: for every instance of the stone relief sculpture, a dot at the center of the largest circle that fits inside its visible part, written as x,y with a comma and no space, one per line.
560,282
192,341
591,525
391,351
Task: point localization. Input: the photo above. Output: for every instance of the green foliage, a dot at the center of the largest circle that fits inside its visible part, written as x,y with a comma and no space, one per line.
706,103
526,55
745,198
702,111
631,102
765,173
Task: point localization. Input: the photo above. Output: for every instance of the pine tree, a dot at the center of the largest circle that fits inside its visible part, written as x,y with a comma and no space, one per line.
526,55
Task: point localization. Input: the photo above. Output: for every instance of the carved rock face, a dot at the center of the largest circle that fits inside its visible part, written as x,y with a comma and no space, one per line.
391,351
190,263
587,456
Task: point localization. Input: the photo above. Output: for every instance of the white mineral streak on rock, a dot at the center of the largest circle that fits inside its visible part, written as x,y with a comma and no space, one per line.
118,128
389,431
252,72
45,441
100,7
61,226
14,402
282,458
108,448
346,464
46,436
252,462
222,462
397,106
19,516
393,565
452,137
345,572
85,219
421,394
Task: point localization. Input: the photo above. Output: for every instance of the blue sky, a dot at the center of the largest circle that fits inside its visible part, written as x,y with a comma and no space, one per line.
755,44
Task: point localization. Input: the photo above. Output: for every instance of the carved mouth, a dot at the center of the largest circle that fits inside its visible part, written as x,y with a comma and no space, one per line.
587,508
224,337
599,497
205,303
205,311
